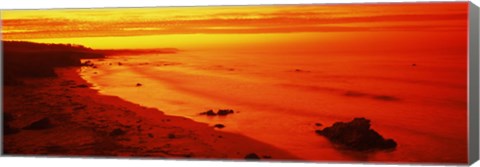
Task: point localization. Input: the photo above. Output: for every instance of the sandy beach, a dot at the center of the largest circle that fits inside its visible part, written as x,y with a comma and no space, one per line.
85,123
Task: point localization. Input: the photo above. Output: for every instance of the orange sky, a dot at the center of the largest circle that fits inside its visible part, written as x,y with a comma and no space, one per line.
182,26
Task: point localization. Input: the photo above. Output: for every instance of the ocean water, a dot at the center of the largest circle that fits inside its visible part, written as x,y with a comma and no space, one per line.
418,100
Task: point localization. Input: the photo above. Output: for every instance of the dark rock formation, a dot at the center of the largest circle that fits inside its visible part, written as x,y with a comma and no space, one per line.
209,113
356,135
41,124
223,112
138,84
252,157
219,126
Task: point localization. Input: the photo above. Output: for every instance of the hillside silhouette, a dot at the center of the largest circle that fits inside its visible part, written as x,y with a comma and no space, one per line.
32,60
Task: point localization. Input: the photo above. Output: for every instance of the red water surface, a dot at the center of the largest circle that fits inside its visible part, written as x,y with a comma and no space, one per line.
415,96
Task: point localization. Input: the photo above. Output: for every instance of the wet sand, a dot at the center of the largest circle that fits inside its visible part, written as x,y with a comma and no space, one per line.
83,122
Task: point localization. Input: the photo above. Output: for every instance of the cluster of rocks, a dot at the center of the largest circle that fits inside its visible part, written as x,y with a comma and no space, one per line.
221,112
356,135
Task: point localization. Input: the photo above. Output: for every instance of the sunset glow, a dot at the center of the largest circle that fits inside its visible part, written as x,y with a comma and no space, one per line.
184,25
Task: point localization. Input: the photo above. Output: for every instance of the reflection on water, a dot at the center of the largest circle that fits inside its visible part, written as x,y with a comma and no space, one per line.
418,100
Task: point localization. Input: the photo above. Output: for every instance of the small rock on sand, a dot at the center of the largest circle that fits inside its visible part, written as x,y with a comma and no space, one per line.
138,84
252,157
219,126
41,124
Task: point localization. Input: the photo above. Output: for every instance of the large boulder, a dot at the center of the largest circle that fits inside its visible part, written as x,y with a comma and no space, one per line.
356,135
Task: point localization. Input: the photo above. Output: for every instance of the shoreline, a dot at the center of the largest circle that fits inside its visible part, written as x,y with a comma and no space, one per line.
84,123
